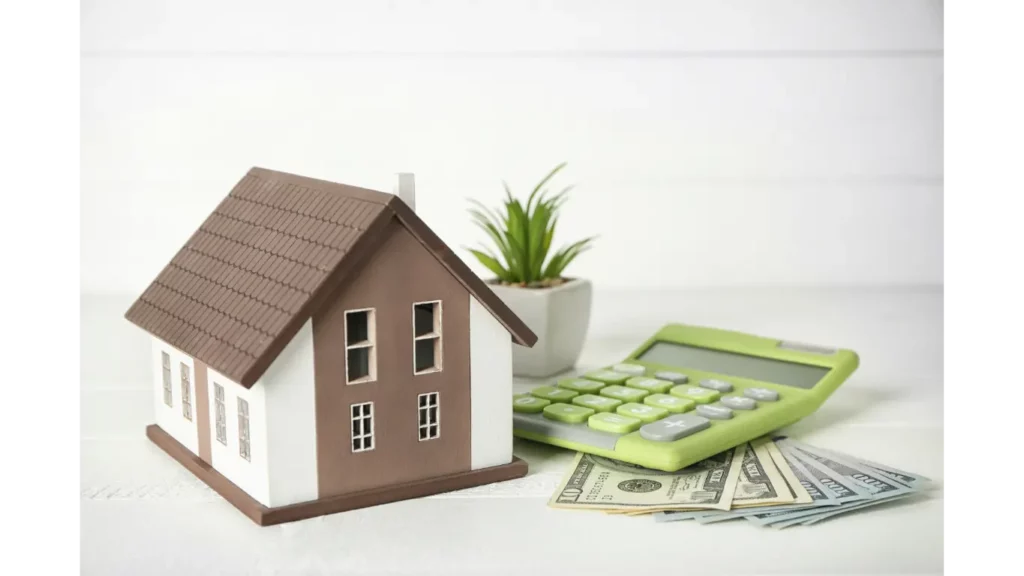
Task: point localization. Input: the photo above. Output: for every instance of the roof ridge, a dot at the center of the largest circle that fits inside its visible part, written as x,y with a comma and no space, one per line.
365,194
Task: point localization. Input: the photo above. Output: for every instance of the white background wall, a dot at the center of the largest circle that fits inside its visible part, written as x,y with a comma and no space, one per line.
722,142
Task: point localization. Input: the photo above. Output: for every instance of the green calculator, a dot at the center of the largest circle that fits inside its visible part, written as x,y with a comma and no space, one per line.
685,394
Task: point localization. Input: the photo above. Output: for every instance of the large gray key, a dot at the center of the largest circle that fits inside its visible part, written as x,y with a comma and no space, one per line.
762,394
720,385
673,377
674,427
738,402
714,411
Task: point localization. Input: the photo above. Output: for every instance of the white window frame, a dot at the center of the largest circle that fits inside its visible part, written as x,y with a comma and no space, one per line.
244,445
165,367
186,390
370,342
433,400
220,414
362,412
436,334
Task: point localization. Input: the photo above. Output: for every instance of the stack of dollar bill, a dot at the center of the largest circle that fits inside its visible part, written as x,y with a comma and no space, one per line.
772,481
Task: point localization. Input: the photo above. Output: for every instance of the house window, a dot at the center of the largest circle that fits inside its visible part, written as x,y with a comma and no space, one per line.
166,358
360,346
221,414
186,392
426,324
362,427
243,430
430,416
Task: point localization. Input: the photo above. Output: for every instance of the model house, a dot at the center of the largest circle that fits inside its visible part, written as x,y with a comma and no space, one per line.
316,348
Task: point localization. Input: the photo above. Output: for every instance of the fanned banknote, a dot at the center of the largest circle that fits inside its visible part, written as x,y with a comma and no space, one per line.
598,483
763,483
910,479
830,488
772,481
807,494
875,485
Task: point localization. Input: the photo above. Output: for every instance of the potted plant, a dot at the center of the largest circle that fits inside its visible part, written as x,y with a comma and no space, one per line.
531,279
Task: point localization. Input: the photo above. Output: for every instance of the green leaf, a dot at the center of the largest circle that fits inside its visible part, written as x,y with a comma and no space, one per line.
492,230
529,201
518,234
537,229
565,256
549,235
492,264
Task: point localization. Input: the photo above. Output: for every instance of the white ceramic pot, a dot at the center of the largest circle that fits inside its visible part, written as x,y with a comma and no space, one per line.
559,316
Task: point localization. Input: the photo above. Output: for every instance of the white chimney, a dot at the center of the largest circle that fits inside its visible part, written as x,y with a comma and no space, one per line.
405,188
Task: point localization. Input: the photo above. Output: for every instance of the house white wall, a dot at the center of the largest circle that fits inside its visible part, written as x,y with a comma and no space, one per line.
250,475
290,400
490,373
282,423
170,418
282,428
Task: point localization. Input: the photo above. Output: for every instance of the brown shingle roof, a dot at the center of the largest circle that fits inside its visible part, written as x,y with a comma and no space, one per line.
267,259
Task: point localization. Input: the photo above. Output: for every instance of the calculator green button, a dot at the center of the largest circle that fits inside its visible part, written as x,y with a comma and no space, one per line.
598,403
670,403
695,393
649,384
623,393
554,394
645,414
635,369
581,385
615,423
567,413
528,404
608,376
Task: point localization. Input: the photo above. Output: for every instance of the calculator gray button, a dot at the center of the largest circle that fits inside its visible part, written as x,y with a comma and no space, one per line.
738,403
674,427
673,377
762,394
720,385
580,433
634,369
714,411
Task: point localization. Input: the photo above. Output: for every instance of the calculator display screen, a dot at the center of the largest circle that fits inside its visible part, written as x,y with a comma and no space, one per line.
732,364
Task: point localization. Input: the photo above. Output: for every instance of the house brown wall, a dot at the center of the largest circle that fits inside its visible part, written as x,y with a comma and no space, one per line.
400,272
201,407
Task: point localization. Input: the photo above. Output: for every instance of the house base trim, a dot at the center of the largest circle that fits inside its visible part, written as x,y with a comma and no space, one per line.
265,516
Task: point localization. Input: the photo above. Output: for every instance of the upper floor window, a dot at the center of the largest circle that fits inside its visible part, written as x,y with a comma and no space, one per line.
426,322
166,361
360,346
